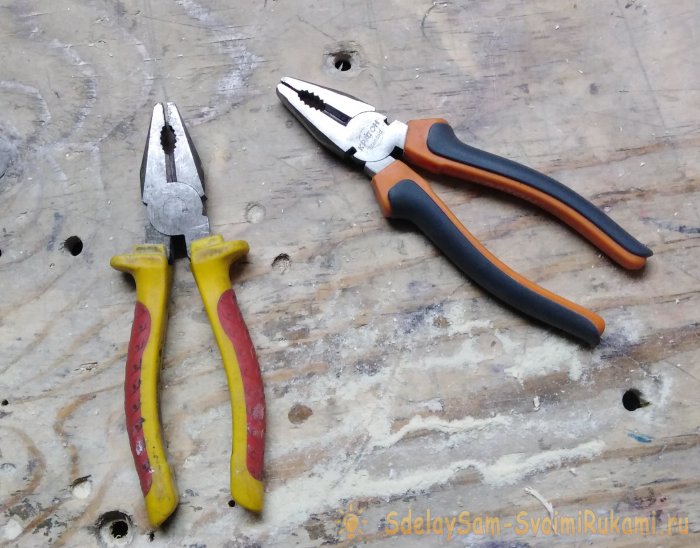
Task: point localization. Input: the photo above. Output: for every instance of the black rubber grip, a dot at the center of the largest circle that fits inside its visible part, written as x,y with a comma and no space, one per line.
410,202
443,142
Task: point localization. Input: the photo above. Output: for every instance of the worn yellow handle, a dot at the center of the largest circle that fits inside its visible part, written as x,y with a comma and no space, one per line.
211,260
148,264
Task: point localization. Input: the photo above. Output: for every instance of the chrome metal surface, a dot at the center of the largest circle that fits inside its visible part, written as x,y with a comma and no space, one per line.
347,126
172,181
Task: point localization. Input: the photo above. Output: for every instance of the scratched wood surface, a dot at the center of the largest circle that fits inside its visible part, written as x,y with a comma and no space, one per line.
392,382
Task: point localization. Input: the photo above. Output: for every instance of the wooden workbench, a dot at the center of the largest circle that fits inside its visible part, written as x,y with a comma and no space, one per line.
392,382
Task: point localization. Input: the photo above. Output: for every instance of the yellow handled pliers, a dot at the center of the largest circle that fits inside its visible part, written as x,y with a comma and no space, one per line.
172,188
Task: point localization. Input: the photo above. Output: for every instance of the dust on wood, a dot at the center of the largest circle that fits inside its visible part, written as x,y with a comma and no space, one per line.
393,383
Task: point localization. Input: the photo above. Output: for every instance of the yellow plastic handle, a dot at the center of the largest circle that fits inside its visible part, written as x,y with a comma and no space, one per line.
148,264
211,260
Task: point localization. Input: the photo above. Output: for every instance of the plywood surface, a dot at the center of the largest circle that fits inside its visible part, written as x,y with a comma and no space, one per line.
393,383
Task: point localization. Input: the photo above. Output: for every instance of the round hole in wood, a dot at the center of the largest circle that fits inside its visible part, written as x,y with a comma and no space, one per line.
632,400
74,245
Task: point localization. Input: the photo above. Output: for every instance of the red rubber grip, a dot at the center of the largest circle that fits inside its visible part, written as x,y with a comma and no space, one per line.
140,332
235,328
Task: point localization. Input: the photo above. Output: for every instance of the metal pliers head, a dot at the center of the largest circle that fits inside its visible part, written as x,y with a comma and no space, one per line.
349,127
172,180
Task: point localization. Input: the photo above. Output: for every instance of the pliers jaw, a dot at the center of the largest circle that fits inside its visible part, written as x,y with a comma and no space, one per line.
172,180
347,126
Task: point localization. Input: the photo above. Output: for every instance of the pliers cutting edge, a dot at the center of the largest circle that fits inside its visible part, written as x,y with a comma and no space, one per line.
172,188
355,131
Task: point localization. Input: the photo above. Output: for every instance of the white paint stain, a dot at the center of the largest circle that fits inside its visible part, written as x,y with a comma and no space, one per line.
12,529
323,485
549,357
509,469
434,405
367,430
547,505
436,424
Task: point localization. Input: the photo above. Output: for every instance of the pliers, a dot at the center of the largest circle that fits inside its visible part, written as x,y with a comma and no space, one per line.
172,188
354,131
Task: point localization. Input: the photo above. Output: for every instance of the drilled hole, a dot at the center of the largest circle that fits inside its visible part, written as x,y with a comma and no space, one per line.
73,245
633,400
254,212
232,503
282,263
119,529
342,62
114,528
4,402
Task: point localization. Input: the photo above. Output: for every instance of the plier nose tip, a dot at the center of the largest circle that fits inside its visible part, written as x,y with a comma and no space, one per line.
308,97
169,155
325,112
153,164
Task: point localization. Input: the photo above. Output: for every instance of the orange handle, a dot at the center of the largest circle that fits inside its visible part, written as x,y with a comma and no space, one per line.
432,144
403,194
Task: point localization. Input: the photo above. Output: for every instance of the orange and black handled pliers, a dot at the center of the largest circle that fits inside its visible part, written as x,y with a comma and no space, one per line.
354,131
172,188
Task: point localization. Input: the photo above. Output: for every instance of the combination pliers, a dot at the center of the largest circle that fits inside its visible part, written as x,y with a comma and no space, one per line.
354,131
172,188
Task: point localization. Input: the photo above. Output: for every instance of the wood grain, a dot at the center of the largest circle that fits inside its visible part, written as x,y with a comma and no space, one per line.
393,383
